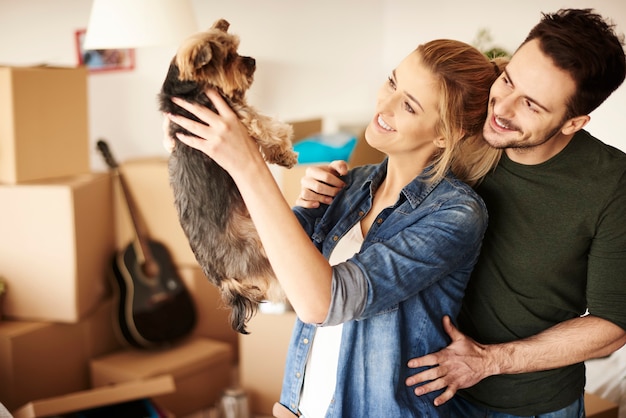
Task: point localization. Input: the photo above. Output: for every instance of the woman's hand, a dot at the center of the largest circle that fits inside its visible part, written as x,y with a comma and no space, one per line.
222,136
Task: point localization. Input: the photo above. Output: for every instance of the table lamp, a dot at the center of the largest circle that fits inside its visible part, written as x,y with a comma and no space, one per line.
119,24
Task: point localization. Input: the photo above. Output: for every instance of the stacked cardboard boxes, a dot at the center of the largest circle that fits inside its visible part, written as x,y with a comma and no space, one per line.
60,225
55,239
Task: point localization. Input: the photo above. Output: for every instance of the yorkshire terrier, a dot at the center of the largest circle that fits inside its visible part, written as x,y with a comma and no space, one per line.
210,208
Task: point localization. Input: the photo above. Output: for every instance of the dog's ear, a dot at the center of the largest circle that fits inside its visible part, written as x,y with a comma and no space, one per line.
221,24
191,57
203,55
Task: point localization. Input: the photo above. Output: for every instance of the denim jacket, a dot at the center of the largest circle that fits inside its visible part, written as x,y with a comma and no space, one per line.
391,296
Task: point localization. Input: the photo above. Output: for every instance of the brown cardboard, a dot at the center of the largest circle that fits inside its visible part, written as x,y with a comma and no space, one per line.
148,184
212,314
202,369
597,407
39,360
98,331
262,355
56,247
43,123
97,397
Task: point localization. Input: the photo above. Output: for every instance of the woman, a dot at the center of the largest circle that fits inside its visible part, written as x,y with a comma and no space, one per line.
397,243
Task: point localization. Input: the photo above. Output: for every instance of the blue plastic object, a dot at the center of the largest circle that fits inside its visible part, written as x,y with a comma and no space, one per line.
324,148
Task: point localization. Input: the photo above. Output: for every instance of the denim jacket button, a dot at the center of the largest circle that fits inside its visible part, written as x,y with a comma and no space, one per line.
305,341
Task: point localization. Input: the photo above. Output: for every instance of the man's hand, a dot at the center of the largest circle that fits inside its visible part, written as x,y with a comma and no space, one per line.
465,362
321,184
460,365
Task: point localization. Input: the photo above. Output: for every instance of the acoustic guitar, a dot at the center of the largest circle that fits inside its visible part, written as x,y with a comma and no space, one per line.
154,308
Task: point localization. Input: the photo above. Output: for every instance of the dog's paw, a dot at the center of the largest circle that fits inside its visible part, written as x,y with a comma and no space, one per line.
287,158
284,157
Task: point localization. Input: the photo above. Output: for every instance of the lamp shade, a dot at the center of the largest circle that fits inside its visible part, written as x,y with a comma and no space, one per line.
117,24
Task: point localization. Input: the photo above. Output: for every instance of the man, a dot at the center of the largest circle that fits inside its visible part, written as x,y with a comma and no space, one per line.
556,242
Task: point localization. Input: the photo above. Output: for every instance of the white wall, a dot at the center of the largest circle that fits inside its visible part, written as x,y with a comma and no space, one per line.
324,58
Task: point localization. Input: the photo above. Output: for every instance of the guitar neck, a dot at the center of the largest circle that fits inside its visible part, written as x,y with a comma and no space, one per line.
150,266
148,263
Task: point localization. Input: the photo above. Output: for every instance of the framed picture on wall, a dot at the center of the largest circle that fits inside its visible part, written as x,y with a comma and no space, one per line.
99,60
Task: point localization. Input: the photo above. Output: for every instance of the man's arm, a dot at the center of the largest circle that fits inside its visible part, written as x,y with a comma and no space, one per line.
465,362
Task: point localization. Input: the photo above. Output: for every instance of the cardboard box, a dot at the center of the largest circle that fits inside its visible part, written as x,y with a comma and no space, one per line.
39,360
202,370
88,399
43,123
268,340
213,316
597,407
56,247
148,184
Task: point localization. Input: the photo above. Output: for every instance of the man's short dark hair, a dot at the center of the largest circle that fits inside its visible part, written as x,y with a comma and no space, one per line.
584,44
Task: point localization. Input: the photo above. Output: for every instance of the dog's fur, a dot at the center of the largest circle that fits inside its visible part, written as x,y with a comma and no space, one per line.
210,208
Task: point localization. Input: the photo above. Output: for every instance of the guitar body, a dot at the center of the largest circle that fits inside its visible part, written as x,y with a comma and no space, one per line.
151,311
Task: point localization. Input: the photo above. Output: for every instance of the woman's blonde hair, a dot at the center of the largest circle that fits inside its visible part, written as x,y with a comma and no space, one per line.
465,76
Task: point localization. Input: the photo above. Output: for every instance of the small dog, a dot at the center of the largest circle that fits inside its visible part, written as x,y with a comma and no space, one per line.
210,208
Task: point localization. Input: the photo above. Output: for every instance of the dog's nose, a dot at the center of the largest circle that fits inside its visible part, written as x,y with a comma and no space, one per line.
250,62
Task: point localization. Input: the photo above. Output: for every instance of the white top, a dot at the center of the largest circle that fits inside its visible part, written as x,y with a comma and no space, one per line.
320,375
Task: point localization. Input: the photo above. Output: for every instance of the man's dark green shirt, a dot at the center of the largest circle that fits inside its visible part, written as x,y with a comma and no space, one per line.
555,247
